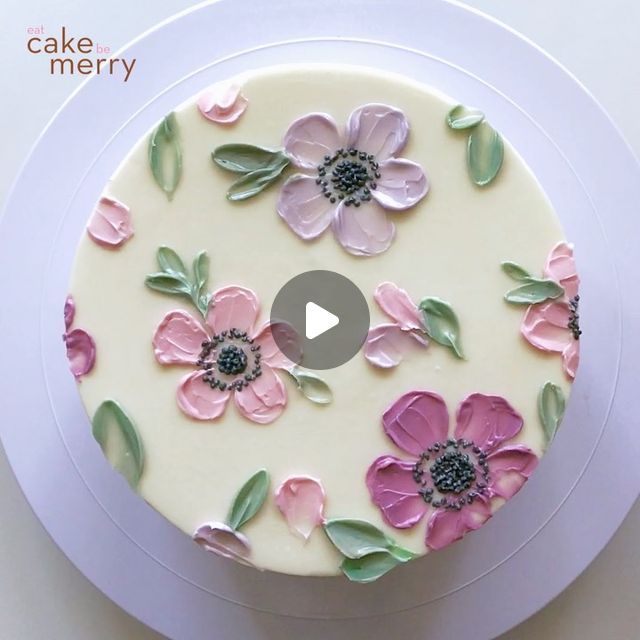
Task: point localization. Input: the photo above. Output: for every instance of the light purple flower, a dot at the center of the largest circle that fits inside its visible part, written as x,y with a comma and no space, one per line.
221,539
350,180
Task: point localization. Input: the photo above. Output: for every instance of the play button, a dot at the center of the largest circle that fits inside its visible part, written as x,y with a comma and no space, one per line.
320,319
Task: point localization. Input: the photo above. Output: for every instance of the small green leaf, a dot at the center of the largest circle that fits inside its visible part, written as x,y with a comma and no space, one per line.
461,117
534,291
166,283
119,440
165,155
485,152
515,271
251,184
249,499
170,262
246,158
201,271
369,567
551,404
441,324
356,538
401,554
311,386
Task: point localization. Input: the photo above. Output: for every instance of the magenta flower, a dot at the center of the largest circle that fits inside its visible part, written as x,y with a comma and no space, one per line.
553,325
387,343
229,355
80,346
350,179
451,479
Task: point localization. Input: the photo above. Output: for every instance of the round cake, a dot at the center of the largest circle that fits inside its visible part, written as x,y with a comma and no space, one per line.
210,404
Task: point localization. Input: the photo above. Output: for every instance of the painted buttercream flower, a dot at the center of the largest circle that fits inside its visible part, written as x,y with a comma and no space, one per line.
231,358
351,179
552,326
450,479
387,343
80,346
222,105
110,224
221,539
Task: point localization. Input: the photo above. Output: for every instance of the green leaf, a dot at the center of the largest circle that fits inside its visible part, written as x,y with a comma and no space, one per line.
441,324
551,404
166,283
165,155
117,436
311,386
401,554
485,152
534,291
249,499
246,158
170,262
461,117
356,538
201,271
369,567
251,184
515,271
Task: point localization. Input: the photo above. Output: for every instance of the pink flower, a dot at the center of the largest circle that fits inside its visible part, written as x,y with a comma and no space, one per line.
552,326
80,346
231,357
300,499
350,179
450,479
110,224
221,539
387,343
222,105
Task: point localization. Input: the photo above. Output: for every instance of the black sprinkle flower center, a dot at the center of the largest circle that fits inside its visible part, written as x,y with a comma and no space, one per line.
574,318
348,175
225,360
452,473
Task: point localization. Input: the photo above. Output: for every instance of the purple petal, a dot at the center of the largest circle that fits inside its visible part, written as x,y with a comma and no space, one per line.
510,468
395,492
487,421
378,129
310,138
301,501
364,230
303,207
416,421
402,184
81,352
448,525
387,344
222,540
69,312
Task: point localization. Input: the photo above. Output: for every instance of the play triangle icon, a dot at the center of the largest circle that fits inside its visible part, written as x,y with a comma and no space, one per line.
318,320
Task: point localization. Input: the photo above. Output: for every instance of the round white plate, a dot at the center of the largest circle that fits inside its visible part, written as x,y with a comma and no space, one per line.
478,588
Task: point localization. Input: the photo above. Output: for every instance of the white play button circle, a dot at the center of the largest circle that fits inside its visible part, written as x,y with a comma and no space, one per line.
318,320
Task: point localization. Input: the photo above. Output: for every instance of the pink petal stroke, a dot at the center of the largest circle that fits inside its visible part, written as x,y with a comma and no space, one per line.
546,326
301,501
198,400
222,105
561,267
264,399
110,224
510,469
222,540
387,344
178,339
81,352
233,307
69,312
448,525
397,304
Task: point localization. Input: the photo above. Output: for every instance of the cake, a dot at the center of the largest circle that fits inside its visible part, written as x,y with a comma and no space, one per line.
457,387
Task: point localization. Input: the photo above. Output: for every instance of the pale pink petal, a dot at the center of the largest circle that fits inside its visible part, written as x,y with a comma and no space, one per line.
571,358
178,339
223,105
402,184
221,539
264,399
81,352
198,400
364,230
561,267
416,421
378,129
397,304
546,326
448,525
387,344
395,492
69,312
301,501
487,421
303,207
110,224
310,138
268,344
233,307
510,468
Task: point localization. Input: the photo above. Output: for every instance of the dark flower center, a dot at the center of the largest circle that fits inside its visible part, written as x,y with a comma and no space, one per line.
349,175
230,354
458,473
574,318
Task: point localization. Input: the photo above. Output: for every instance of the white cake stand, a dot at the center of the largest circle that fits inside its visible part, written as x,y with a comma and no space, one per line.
479,588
